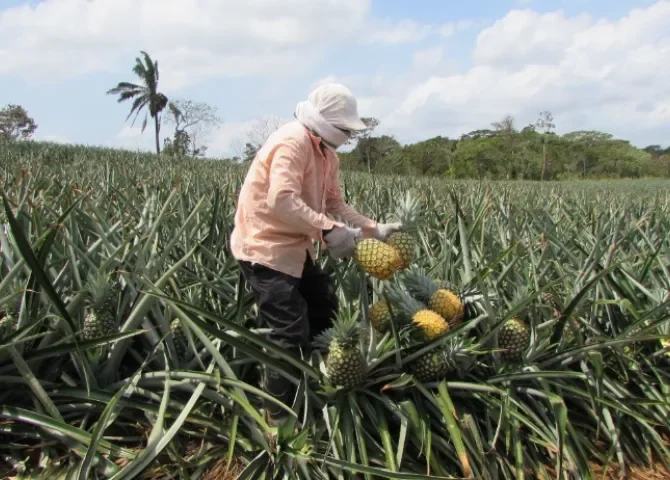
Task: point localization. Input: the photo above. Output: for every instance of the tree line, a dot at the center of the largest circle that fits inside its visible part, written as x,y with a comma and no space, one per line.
501,151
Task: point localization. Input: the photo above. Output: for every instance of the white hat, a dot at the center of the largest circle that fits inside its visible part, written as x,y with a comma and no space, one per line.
337,106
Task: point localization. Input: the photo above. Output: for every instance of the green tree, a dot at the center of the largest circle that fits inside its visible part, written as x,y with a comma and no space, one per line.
250,151
145,95
371,151
193,121
363,146
179,145
15,123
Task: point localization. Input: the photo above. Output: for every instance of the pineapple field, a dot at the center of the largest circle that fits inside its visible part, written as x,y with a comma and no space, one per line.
514,330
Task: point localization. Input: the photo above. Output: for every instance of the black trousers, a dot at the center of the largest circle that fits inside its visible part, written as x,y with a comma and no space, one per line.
296,310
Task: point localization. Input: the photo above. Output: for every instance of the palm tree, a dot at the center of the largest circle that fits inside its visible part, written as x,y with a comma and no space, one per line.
145,94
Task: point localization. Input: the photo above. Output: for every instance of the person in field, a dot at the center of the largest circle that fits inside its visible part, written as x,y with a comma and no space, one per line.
290,199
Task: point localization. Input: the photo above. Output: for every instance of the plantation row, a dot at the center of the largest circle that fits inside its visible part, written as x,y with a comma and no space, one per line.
130,348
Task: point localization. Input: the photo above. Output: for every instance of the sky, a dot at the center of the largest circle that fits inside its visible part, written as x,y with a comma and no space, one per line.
422,67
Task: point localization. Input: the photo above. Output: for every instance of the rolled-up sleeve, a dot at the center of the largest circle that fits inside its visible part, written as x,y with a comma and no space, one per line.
336,206
285,185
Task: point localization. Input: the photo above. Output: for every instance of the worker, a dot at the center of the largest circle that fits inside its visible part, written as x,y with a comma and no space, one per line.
291,198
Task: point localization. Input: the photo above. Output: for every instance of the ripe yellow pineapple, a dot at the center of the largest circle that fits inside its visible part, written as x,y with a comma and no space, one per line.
408,214
514,339
377,259
431,324
440,300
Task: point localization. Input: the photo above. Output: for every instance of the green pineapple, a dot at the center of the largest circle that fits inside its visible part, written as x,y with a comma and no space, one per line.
514,339
439,362
403,242
345,363
179,337
571,328
101,317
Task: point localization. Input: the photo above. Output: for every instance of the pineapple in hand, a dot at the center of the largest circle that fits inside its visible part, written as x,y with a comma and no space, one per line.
403,240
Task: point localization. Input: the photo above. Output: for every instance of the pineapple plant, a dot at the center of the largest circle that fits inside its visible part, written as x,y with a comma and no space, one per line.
514,339
430,324
377,259
100,320
346,365
408,214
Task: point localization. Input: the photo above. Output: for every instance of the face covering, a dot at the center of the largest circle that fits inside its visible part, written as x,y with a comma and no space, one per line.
308,114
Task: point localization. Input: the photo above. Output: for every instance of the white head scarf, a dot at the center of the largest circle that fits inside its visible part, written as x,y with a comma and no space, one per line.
331,111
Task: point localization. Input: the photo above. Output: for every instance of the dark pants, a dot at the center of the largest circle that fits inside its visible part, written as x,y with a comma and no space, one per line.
296,310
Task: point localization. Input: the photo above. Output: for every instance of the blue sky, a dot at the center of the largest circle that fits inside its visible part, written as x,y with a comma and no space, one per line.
424,67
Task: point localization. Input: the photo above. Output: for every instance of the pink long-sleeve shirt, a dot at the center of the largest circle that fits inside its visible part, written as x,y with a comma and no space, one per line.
292,185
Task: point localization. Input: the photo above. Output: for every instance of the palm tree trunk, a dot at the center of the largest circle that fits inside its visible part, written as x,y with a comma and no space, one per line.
158,144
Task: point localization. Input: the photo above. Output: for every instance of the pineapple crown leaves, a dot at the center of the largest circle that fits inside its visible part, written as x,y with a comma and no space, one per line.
322,341
346,331
99,287
402,300
409,212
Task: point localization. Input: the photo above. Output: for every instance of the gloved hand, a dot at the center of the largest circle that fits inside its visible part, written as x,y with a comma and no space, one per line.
341,241
384,230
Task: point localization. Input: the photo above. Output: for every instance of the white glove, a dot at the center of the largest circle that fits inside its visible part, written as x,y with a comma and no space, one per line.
384,230
341,241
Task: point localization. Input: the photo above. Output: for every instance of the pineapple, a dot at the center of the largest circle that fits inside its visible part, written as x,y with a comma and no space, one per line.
101,318
431,324
377,259
438,363
403,242
550,299
178,337
345,363
380,316
442,301
9,312
514,339
431,366
571,328
665,343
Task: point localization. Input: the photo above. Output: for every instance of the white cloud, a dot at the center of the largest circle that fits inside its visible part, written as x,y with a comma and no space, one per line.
394,32
591,73
428,58
452,28
194,39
